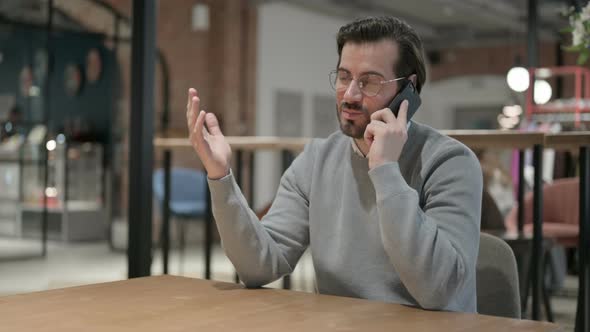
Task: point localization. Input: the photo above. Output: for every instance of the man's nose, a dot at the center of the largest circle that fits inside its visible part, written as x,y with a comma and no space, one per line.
353,92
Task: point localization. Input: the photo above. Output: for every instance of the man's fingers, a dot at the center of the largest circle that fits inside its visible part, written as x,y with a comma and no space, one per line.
190,120
385,115
378,126
191,93
198,137
193,112
204,127
375,128
369,134
402,116
190,117
199,132
213,124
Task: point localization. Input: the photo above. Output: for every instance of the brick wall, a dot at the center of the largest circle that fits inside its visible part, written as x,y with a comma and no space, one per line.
218,62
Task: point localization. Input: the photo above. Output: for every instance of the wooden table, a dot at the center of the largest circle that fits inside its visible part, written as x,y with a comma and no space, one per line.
168,303
498,139
247,143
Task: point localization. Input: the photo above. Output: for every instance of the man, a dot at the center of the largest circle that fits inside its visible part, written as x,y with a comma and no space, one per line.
389,209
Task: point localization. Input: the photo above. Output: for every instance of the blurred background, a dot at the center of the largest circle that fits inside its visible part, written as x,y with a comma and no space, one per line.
262,67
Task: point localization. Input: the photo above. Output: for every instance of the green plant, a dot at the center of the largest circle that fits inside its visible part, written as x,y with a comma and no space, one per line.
579,27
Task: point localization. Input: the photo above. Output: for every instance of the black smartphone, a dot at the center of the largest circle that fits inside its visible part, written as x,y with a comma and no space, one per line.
409,93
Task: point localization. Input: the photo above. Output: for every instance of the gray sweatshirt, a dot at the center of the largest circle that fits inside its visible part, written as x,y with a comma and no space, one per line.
404,232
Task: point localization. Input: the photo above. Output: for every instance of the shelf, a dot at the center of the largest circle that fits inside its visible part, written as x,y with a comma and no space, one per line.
562,110
80,224
570,105
561,117
8,227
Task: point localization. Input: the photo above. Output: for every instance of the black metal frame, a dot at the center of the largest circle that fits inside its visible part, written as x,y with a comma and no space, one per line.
583,305
521,184
143,58
534,270
165,239
47,95
537,252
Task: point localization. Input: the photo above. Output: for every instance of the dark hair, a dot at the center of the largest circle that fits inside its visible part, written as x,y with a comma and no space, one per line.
374,29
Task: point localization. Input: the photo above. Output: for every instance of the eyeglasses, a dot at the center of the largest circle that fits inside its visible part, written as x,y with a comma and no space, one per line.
369,84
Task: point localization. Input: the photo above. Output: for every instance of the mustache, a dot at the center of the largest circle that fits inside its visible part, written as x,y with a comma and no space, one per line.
355,106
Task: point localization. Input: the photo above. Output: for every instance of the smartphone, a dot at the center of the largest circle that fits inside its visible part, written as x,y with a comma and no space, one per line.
409,93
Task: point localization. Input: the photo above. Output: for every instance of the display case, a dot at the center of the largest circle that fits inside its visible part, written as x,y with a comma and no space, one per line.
573,109
73,195
10,184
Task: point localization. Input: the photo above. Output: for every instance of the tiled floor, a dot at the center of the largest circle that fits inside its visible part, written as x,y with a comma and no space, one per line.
86,263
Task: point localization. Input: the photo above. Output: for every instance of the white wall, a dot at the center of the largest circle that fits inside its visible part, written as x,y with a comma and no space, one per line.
296,52
441,98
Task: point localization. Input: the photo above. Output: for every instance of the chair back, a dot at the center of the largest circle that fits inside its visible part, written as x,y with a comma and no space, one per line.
561,201
561,204
491,217
187,189
497,279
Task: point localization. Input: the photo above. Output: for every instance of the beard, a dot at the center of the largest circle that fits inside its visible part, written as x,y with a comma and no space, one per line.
353,128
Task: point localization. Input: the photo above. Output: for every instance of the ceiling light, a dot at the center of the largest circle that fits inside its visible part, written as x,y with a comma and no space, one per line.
518,79
543,92
51,145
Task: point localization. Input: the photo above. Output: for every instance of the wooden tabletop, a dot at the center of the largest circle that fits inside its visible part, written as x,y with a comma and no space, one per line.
168,303
567,140
244,142
501,139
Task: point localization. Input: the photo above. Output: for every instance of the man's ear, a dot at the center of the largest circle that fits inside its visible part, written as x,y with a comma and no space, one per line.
413,78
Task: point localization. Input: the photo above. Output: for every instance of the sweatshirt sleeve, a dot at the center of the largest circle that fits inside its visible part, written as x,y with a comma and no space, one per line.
434,248
264,251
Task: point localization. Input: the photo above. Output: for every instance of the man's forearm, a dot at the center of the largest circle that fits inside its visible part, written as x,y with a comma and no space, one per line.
247,244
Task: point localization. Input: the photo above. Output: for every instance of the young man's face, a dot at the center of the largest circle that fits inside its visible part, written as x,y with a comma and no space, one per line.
353,107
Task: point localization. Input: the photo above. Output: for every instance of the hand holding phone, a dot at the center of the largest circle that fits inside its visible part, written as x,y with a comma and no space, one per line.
386,145
409,93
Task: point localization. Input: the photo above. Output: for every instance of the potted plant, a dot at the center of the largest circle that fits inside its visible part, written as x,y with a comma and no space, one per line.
579,27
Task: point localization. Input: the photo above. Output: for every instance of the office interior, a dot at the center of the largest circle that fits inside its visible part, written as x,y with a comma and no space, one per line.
82,172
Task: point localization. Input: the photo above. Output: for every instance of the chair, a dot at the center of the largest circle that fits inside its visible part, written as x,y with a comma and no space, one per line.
497,279
560,212
188,197
560,227
491,217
